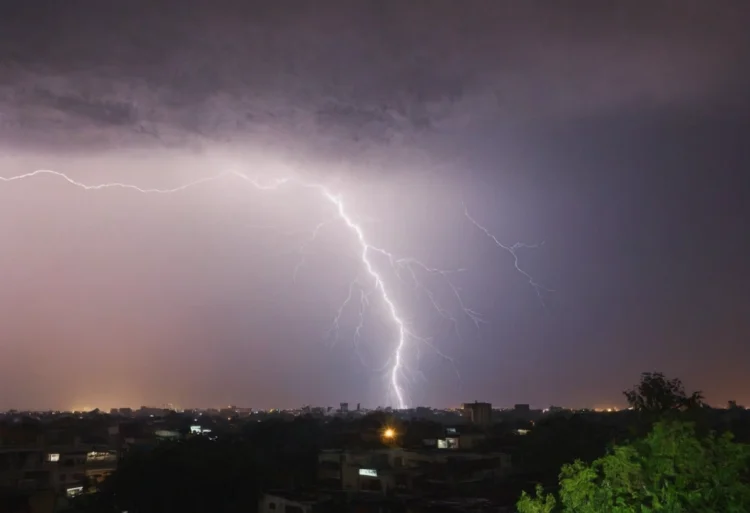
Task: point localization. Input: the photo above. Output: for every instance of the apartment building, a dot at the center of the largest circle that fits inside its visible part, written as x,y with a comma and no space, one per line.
397,470
67,469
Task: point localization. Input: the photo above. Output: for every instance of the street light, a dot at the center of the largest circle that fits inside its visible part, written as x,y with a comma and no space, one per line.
389,433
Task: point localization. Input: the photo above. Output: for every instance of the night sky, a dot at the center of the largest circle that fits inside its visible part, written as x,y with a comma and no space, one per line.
617,136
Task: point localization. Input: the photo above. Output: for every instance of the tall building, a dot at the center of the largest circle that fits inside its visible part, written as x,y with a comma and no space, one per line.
344,408
478,413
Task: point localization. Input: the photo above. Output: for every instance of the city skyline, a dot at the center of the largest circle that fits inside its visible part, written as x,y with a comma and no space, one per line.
599,408
604,405
614,160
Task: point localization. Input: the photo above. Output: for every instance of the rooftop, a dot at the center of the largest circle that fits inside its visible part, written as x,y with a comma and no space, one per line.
296,496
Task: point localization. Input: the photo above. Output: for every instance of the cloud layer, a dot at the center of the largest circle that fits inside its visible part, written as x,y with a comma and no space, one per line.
345,74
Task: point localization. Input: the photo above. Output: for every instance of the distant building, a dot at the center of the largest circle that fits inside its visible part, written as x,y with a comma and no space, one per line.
228,412
344,408
522,408
69,469
396,470
281,502
478,413
147,411
423,412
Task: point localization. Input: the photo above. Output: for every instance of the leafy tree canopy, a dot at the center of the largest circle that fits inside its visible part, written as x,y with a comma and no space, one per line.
672,470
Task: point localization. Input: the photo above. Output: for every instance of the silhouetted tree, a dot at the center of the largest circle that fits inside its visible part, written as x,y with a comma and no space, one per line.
657,394
559,440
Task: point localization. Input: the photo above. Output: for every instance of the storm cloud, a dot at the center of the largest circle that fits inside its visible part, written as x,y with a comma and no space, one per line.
336,75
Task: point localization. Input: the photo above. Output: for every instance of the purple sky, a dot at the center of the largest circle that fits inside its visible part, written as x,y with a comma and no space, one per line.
616,136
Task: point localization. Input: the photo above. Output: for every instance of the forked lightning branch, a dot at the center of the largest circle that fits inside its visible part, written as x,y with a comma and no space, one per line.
404,336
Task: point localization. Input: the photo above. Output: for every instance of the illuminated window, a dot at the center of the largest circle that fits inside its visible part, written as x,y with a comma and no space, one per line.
100,456
53,456
72,492
448,443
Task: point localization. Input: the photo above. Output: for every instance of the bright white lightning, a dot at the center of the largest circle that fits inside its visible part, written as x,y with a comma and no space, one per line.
403,333
366,250
399,265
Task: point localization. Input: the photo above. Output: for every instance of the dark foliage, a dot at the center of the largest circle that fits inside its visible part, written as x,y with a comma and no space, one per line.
657,395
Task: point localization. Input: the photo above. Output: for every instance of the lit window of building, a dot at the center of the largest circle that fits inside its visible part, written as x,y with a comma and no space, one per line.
75,491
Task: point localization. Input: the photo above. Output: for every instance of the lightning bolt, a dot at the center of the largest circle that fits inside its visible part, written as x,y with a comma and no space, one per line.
513,250
404,334
366,250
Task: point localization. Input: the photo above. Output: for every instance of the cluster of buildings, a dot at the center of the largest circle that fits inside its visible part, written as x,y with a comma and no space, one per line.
47,459
44,468
389,479
451,468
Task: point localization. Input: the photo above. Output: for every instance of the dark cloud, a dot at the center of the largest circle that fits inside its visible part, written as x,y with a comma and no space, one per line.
357,73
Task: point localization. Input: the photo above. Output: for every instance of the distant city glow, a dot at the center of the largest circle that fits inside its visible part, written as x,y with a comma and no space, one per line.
606,409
